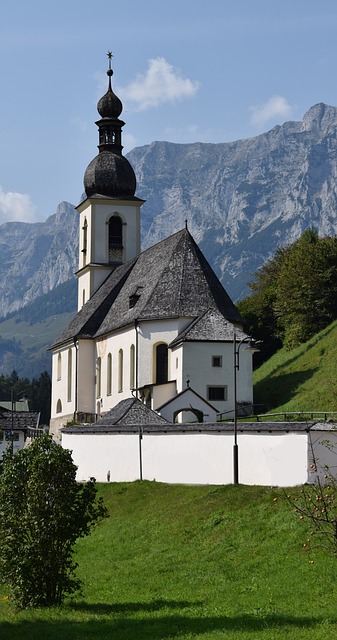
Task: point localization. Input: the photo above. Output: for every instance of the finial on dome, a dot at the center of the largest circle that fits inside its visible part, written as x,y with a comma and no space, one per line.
110,71
110,174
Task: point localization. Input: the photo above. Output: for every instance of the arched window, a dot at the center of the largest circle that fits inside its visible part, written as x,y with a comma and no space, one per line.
59,406
70,374
98,377
161,363
132,366
59,366
115,239
109,375
120,370
85,241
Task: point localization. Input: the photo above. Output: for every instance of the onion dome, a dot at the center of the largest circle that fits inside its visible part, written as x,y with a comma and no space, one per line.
109,173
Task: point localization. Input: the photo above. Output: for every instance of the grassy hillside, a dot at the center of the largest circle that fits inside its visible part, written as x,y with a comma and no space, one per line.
191,563
304,379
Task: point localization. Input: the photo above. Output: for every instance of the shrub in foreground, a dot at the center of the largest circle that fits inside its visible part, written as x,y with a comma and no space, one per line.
43,511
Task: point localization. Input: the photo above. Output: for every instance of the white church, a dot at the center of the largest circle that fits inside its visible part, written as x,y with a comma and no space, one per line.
155,325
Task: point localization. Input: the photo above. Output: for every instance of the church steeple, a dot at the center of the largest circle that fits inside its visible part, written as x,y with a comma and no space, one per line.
110,215
109,173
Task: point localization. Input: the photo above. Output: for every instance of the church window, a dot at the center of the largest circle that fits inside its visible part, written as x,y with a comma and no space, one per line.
83,297
132,366
217,393
109,375
216,361
98,377
115,226
84,241
120,370
59,366
85,235
70,374
59,406
161,358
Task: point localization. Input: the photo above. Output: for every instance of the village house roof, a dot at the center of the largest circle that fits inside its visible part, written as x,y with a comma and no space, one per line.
20,420
170,279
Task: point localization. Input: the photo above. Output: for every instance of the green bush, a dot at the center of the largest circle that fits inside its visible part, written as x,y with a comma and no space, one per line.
43,511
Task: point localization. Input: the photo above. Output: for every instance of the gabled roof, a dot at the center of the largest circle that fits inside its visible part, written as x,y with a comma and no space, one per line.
211,325
170,279
19,420
129,412
188,392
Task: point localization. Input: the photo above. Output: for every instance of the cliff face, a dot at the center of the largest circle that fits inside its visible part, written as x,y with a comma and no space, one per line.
36,257
241,201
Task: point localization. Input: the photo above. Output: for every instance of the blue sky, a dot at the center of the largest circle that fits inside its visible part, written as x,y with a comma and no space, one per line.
186,70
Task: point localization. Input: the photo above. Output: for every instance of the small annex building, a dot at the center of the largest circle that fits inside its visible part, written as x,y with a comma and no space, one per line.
149,324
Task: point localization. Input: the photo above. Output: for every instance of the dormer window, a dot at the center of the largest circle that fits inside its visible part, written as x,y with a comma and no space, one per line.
133,300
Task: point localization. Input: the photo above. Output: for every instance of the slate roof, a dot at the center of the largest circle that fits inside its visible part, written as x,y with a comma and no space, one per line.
21,420
129,412
170,279
202,427
211,325
188,391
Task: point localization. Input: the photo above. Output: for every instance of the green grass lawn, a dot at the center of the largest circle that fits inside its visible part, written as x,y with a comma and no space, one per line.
304,379
183,562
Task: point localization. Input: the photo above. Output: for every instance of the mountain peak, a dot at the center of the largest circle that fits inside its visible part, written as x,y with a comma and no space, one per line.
320,117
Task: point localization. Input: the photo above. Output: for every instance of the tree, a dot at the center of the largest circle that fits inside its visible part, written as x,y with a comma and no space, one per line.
306,288
43,511
294,295
38,392
316,505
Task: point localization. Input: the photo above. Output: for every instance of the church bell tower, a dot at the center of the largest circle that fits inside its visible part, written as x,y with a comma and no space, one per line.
110,214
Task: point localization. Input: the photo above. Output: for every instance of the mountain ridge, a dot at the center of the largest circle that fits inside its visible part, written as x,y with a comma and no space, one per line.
241,200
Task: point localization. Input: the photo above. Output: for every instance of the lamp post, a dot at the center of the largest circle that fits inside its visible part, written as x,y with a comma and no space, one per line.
251,348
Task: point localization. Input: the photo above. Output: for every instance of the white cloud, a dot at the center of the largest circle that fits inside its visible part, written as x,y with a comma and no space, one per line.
276,107
16,207
129,142
160,83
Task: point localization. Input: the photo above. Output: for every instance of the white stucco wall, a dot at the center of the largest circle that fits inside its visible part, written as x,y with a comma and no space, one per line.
273,459
151,333
206,375
60,381
183,401
97,215
96,455
86,376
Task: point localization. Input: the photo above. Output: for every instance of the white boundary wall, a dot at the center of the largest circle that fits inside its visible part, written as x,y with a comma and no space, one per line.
273,459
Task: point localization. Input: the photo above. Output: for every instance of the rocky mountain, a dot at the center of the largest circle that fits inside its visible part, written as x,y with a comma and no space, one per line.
36,257
241,200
